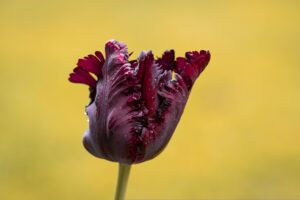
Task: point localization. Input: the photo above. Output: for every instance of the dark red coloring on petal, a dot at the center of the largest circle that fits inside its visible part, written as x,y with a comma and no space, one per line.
149,91
167,61
92,64
113,46
85,67
191,66
80,75
100,57
198,59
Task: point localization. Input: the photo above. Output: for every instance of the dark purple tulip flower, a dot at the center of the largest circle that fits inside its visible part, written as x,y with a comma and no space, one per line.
135,104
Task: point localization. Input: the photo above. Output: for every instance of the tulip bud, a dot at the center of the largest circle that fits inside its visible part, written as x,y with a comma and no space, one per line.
135,104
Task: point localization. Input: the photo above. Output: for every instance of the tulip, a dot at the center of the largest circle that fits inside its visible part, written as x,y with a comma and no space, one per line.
135,104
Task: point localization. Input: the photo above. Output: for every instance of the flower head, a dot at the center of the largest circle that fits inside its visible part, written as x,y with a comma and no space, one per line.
135,104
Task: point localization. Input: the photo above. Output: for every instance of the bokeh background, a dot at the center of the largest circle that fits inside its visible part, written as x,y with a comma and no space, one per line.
238,137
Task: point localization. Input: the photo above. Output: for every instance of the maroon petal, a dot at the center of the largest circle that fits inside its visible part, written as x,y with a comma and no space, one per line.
111,117
191,66
147,72
80,75
100,57
113,46
167,61
92,63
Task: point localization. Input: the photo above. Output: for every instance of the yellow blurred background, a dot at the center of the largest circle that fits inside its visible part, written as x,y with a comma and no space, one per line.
238,137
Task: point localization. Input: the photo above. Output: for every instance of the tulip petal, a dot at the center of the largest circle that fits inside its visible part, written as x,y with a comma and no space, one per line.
148,68
82,76
92,63
191,66
167,60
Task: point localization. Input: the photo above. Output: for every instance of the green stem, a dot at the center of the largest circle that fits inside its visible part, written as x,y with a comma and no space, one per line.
124,171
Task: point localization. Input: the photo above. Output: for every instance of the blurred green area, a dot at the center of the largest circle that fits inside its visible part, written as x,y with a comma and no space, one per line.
239,135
